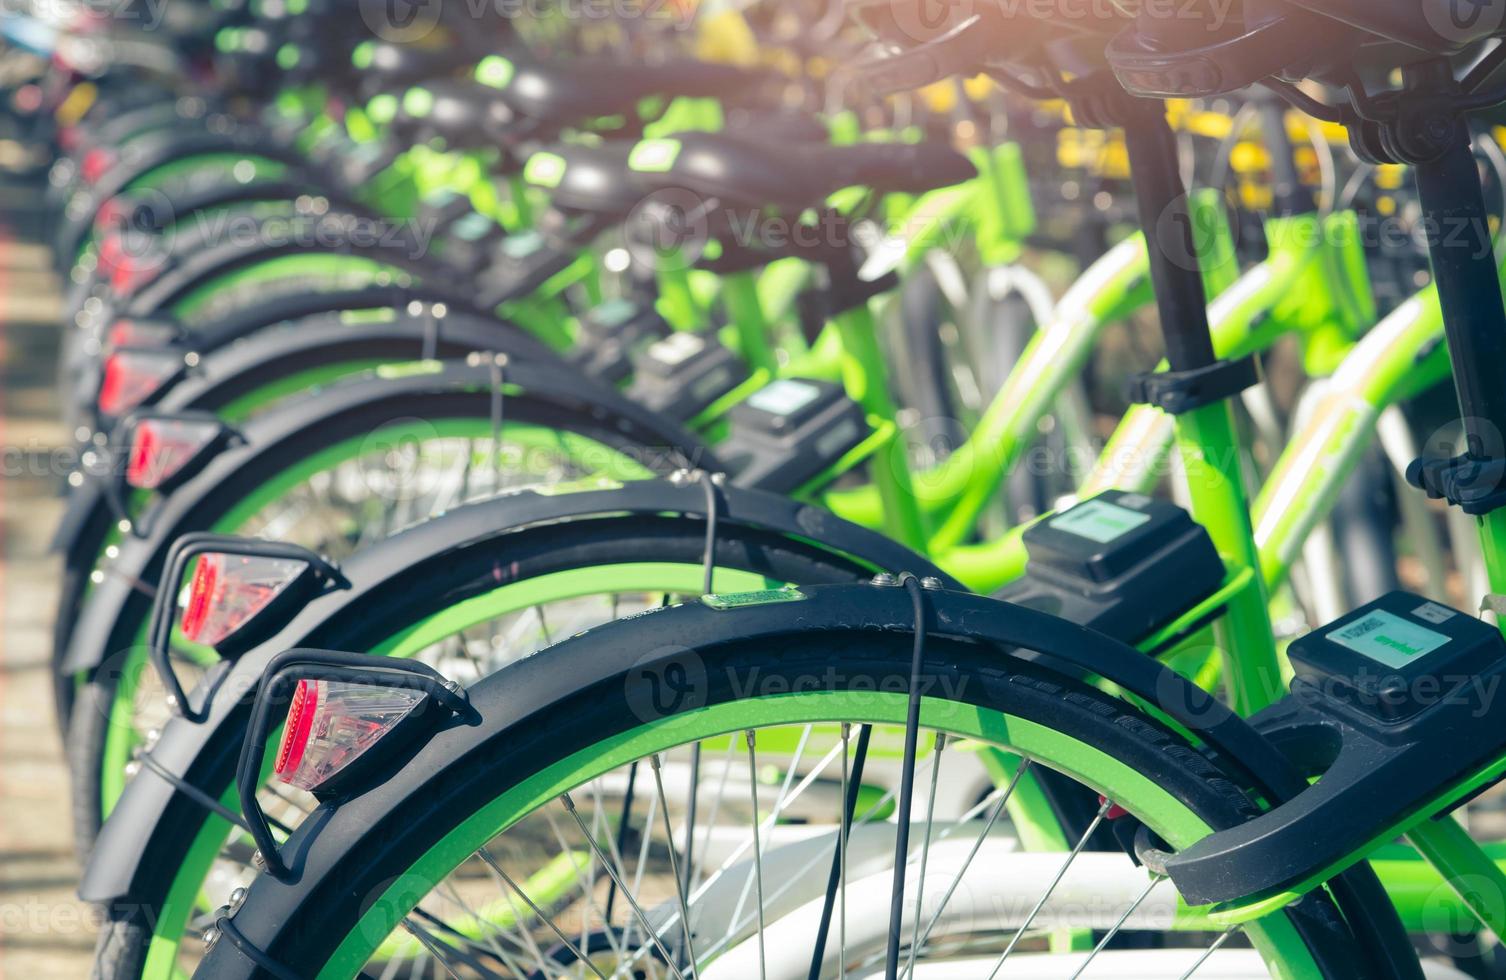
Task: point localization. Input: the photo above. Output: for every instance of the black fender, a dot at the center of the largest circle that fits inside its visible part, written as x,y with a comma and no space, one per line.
309,420
536,686
157,214
119,127
271,354
151,819
326,234
153,149
233,371
206,341
202,214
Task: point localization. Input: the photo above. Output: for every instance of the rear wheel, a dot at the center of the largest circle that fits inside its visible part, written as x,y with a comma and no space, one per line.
501,842
452,614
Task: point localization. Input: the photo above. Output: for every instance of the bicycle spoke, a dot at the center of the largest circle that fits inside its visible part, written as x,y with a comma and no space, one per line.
674,868
977,845
757,849
925,851
1213,948
638,912
1082,841
544,917
1118,924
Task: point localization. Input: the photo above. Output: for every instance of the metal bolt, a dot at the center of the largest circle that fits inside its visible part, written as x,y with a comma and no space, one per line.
932,582
211,936
885,579
258,861
237,898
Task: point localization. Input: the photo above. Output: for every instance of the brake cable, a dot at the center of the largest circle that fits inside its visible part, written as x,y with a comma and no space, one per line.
912,585
708,568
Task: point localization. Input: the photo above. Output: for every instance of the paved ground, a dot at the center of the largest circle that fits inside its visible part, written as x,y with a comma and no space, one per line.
44,931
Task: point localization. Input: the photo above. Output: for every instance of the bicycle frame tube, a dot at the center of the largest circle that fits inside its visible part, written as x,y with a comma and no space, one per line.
866,380
1243,319
739,291
1396,358
1111,286
1304,287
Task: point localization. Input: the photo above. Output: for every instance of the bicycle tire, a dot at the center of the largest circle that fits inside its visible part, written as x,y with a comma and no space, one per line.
378,846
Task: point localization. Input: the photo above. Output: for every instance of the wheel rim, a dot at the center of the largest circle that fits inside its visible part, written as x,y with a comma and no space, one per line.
1274,938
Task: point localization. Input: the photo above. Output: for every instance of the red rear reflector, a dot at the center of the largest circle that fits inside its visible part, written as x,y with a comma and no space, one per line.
161,447
228,590
295,736
96,162
332,723
132,376
129,269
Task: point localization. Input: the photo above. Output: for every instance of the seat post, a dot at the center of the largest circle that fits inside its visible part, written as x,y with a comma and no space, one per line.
1206,435
1161,198
1469,291
1426,128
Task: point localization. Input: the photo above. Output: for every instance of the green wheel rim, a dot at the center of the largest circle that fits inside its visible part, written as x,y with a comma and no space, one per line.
1274,937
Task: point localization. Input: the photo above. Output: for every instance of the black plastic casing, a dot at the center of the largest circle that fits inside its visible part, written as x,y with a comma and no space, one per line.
610,336
1121,563
684,374
780,448
1423,653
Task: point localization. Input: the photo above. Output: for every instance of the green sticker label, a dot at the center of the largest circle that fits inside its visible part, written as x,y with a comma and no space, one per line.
495,71
654,156
418,102
409,369
1099,520
522,245
544,169
761,597
784,397
1387,638
614,313
382,109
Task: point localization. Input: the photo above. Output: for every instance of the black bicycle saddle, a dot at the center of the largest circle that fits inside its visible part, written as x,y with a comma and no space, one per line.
594,179
465,113
1218,53
1033,43
567,93
741,173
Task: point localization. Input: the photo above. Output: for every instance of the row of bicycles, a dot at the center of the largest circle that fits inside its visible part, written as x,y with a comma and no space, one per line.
801,490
